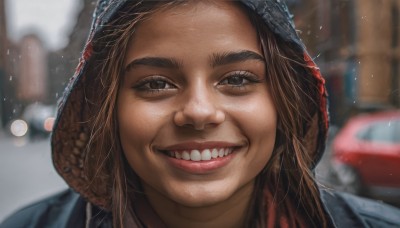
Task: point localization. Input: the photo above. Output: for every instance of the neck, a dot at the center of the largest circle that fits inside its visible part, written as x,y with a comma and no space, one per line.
228,213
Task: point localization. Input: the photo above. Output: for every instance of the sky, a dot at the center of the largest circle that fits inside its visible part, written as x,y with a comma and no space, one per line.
52,20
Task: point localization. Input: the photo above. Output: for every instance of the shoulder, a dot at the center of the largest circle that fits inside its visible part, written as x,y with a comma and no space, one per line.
53,211
348,210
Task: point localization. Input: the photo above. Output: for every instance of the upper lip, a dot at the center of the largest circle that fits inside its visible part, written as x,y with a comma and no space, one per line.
199,145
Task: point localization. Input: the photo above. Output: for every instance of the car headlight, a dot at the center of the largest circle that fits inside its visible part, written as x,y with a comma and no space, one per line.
48,124
19,128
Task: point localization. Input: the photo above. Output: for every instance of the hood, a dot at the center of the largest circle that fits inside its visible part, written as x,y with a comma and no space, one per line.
70,133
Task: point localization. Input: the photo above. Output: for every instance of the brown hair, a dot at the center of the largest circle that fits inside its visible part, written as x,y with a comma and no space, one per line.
294,92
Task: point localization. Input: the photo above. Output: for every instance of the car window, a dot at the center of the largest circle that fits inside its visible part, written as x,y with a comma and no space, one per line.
396,135
381,131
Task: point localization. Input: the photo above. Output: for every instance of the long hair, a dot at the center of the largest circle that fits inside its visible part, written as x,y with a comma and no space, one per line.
295,94
293,91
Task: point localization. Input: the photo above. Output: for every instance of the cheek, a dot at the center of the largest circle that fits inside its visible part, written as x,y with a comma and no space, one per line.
138,126
130,122
257,119
139,121
256,116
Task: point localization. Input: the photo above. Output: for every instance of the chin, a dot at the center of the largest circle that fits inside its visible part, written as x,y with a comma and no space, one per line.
206,195
201,199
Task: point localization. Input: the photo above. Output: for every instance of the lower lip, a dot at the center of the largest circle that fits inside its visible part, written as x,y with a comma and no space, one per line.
200,167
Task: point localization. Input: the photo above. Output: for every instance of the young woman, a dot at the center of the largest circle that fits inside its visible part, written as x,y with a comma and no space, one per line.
194,114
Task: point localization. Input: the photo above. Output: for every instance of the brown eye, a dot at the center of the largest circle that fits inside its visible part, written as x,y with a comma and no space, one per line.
157,84
236,80
239,79
239,83
154,83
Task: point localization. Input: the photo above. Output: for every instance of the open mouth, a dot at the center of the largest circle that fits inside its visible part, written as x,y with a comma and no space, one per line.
199,155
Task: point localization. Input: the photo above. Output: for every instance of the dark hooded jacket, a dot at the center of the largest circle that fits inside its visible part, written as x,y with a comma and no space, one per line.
79,207
70,210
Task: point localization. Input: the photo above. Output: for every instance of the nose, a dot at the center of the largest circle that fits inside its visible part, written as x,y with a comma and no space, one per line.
199,110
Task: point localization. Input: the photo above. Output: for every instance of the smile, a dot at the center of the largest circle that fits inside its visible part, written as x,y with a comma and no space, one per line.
200,155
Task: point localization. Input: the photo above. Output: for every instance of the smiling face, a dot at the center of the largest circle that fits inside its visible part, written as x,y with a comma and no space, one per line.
195,116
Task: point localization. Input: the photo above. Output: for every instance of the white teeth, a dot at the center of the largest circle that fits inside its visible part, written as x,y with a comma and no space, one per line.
206,155
185,155
221,153
214,153
197,155
226,151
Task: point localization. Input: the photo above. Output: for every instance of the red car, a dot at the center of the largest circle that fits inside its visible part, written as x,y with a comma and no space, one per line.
366,153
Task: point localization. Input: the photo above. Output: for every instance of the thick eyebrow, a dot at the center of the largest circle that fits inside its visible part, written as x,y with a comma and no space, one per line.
234,57
154,62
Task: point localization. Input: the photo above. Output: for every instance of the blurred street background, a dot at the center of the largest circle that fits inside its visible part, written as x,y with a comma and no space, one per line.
26,173
356,43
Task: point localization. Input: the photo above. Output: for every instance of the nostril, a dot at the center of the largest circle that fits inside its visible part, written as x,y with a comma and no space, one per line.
199,120
199,126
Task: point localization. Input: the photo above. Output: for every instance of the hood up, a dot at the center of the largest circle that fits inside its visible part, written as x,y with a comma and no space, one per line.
70,133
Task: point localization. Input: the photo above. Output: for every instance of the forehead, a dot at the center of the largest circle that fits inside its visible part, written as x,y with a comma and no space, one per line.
195,25
223,11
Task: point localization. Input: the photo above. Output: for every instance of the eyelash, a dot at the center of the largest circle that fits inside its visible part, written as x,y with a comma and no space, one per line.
247,78
144,85
244,75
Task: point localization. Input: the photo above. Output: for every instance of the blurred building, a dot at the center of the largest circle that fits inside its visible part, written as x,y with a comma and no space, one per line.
3,48
378,52
11,66
62,63
4,51
10,103
29,74
356,44
32,75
